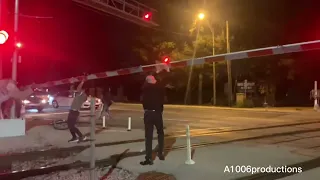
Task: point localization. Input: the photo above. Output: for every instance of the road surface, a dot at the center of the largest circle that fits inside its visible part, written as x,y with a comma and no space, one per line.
177,117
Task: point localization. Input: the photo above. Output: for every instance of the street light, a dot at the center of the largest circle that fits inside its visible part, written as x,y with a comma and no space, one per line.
201,16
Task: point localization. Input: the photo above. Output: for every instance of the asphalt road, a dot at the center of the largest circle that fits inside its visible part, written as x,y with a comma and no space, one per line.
176,118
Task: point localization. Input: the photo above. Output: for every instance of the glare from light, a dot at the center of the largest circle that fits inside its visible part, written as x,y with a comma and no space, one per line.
43,101
3,37
201,16
19,45
25,101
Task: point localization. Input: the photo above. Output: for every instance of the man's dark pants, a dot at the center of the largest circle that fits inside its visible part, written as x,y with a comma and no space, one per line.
72,120
151,119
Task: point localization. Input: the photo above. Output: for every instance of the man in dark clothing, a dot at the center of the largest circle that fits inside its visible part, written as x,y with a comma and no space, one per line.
107,102
153,94
74,113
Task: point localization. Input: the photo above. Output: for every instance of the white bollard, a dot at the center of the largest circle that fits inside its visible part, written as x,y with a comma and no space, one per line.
129,124
316,105
104,122
189,161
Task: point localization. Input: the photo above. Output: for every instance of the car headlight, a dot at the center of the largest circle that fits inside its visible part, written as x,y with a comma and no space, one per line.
43,101
25,101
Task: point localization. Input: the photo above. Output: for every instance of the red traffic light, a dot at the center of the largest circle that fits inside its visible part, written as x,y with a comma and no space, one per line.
3,36
147,16
166,60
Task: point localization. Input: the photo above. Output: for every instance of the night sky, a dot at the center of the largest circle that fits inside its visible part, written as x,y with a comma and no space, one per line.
79,40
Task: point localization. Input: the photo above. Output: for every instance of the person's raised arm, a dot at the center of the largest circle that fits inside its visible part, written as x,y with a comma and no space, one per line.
79,88
164,78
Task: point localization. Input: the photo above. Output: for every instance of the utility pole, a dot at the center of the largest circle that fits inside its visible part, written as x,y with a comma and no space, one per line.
214,97
200,86
15,53
186,97
230,96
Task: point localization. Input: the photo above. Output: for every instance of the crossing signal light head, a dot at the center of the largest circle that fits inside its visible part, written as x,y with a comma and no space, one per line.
147,16
166,60
3,36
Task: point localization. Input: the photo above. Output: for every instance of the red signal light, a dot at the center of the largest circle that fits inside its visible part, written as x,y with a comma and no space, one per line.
147,16
166,60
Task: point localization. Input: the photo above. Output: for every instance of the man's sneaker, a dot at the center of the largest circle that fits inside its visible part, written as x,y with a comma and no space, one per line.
73,140
146,162
161,157
81,139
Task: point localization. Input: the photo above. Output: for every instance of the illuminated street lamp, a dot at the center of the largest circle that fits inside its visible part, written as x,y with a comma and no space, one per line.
201,16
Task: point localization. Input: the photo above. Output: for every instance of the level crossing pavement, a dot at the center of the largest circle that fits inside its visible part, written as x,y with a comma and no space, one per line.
208,125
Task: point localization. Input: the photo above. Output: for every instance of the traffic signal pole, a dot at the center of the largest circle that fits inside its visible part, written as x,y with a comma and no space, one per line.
15,53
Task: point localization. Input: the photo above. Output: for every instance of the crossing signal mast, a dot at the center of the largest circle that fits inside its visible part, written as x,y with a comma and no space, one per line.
129,10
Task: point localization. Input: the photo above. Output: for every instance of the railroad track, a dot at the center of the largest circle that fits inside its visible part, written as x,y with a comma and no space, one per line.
117,157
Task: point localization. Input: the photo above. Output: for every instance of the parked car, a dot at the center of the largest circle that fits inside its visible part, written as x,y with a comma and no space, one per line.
34,102
65,98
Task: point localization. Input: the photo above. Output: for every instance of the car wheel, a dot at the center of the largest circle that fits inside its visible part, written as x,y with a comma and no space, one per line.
40,109
55,104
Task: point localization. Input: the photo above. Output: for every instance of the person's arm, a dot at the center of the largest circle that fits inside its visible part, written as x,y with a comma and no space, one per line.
164,79
79,88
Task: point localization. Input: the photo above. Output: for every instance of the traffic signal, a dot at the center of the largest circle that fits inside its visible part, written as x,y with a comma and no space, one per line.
3,36
147,16
166,60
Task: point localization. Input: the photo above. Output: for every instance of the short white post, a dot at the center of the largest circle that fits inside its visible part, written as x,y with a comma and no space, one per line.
189,161
104,122
316,105
129,124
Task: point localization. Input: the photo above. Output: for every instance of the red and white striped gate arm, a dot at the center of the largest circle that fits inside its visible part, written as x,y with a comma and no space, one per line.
269,51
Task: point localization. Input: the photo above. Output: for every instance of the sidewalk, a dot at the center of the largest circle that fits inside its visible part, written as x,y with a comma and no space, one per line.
210,161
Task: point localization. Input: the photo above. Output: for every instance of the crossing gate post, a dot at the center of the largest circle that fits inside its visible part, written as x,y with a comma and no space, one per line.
104,122
189,160
129,124
316,105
